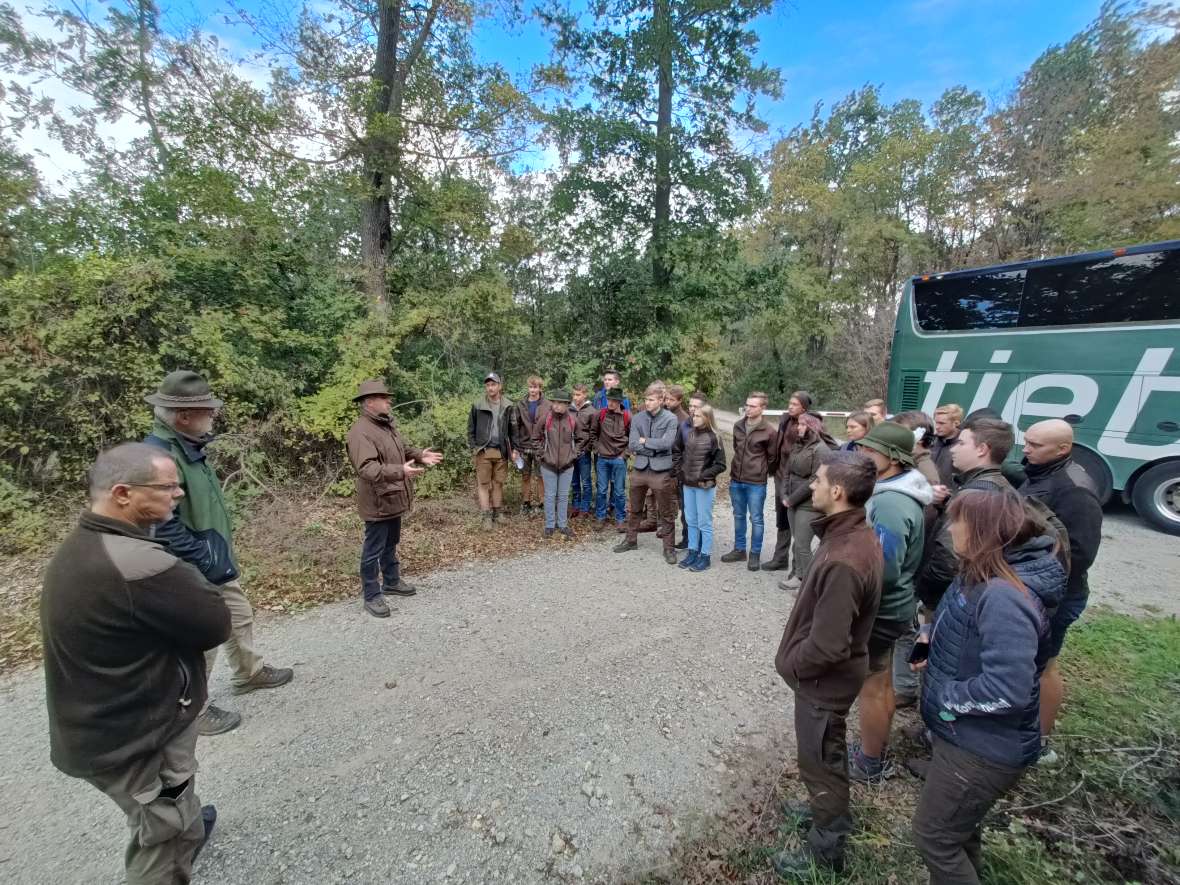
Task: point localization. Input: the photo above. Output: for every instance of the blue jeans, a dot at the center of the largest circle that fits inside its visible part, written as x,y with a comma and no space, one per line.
698,513
557,496
748,496
612,472
583,492
379,556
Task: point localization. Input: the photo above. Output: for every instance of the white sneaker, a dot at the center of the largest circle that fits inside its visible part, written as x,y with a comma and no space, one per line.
1048,757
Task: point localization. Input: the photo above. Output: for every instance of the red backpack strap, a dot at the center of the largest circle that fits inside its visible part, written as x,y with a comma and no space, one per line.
627,420
548,421
601,415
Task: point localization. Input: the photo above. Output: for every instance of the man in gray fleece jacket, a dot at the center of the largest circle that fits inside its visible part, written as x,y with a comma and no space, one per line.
653,432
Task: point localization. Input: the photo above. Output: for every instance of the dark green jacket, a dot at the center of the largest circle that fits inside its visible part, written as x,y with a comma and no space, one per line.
200,530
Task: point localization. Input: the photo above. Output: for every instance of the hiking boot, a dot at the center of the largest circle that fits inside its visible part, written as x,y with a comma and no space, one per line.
702,563
567,532
791,584
670,555
752,563
690,559
773,565
208,819
377,607
401,588
547,534
866,770
267,677
648,525
217,721
624,546
485,519
734,555
918,767
803,866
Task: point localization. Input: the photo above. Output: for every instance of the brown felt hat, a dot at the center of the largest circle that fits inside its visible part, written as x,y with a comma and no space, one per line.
184,390
372,387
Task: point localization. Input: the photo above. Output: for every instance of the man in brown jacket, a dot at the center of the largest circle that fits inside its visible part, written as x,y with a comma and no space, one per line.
385,468
526,415
610,431
559,442
755,458
824,657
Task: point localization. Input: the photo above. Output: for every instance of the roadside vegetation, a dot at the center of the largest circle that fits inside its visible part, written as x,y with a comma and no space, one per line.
1110,812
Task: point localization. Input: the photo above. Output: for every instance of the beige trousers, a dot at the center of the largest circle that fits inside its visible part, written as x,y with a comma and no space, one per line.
165,829
244,662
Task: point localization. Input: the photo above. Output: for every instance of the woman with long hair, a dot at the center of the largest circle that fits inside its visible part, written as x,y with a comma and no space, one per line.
802,463
980,691
856,426
700,457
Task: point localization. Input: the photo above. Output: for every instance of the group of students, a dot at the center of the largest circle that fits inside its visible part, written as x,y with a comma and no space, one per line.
913,510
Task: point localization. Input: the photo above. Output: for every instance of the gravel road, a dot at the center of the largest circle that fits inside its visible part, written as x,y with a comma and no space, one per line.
563,716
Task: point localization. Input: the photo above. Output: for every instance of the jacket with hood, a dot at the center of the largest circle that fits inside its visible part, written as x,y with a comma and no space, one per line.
988,648
558,440
895,510
483,418
1069,492
823,654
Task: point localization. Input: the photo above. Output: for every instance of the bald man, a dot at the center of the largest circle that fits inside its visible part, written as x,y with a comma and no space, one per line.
1062,484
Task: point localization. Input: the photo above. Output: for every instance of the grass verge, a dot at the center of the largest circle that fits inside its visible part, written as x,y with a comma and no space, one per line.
1110,812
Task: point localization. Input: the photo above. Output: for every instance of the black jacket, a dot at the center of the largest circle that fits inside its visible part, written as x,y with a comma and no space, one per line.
125,625
1070,493
940,453
479,425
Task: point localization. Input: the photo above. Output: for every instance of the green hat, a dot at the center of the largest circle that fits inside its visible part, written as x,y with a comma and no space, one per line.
615,393
891,439
184,390
560,396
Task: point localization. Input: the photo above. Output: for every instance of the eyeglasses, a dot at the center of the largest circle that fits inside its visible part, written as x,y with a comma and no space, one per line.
162,486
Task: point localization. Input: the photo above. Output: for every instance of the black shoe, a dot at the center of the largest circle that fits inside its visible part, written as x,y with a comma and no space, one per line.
670,556
624,546
566,532
682,544
209,819
547,533
752,562
734,555
773,565
401,588
217,721
377,607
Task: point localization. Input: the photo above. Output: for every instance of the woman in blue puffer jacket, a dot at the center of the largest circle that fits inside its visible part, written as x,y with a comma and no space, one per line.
980,691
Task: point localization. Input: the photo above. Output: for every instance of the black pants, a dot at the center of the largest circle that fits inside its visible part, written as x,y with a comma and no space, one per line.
782,525
823,767
959,791
379,556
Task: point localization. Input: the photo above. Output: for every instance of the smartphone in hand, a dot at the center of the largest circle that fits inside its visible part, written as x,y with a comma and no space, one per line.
919,653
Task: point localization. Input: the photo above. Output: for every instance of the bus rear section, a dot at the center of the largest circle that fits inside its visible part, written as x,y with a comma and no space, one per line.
1092,339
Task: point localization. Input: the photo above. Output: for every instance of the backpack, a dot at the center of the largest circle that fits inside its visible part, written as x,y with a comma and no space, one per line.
626,418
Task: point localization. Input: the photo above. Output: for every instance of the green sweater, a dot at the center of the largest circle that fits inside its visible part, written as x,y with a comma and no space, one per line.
200,531
896,512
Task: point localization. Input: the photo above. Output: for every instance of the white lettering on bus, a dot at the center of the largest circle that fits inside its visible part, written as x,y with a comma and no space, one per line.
1144,383
1147,379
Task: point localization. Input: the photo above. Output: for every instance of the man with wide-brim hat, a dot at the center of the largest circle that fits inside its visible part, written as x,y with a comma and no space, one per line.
201,532
385,470
896,511
559,442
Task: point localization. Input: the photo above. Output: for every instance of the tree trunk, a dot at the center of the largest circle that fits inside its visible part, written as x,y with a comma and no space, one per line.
663,195
380,151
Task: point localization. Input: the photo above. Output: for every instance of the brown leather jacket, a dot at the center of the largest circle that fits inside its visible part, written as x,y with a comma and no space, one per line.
755,453
557,440
826,658
585,419
610,433
378,454
523,426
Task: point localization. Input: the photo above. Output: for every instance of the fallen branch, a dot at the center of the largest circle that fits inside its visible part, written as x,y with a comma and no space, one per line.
1076,787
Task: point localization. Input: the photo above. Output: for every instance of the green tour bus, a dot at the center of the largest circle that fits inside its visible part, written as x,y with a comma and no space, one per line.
1093,339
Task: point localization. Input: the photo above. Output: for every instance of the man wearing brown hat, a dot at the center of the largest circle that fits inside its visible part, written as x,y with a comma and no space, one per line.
385,468
489,436
201,532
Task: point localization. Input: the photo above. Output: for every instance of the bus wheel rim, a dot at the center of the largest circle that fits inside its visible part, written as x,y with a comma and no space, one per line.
1167,500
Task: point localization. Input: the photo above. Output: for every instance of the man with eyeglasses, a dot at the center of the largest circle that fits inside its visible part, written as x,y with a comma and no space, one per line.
125,627
200,532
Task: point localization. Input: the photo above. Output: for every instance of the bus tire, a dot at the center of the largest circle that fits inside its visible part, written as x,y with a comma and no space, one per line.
1156,496
1097,470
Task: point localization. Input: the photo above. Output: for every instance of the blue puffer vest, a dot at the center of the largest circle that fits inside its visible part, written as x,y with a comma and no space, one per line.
1002,732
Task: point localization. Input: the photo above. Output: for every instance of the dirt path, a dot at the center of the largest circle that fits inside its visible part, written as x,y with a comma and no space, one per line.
560,716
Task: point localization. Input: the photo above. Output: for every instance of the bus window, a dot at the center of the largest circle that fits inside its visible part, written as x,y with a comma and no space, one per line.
1130,289
979,301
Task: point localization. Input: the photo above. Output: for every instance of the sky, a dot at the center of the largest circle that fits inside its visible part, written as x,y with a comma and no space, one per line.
824,50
